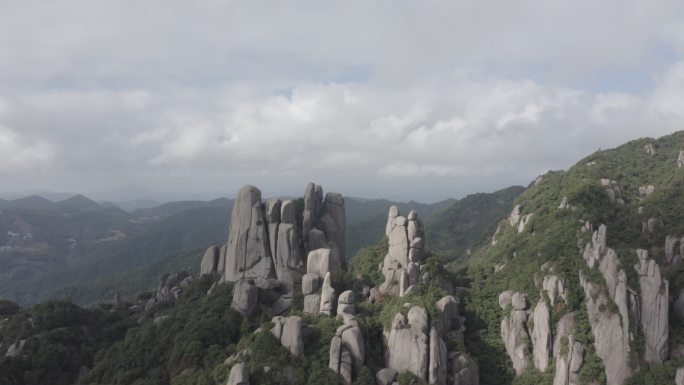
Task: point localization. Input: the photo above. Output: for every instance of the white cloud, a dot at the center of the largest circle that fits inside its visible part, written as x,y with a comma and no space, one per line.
426,100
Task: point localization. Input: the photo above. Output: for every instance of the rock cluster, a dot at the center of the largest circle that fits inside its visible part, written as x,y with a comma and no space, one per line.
645,191
265,248
401,266
613,191
514,330
347,350
650,149
413,345
288,330
170,288
610,328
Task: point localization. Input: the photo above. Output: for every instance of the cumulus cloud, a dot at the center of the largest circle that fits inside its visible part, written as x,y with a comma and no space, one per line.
398,99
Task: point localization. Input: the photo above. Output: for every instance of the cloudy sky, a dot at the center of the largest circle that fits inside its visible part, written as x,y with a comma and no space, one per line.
401,99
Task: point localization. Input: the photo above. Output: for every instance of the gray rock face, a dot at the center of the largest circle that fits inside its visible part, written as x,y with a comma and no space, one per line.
464,370
312,207
679,377
15,349
385,376
393,214
273,219
407,345
322,261
210,260
289,331
448,313
317,239
654,308
564,328
610,330
312,303
310,283
514,218
248,250
437,371
245,297
335,223
239,375
568,365
345,303
287,257
523,222
555,288
327,296
514,333
541,336
680,159
347,349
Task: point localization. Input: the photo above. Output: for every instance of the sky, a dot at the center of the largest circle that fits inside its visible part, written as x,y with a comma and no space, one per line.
404,100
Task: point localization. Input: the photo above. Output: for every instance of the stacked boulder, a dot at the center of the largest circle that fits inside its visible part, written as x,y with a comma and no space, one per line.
324,221
408,342
401,266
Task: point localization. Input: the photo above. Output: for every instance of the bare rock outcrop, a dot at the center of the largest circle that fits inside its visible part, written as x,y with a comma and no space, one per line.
654,308
345,303
609,328
515,215
437,370
613,191
248,251
210,260
347,351
288,330
650,149
464,369
514,330
679,376
327,296
245,296
401,266
523,222
541,336
407,345
680,159
564,328
286,254
569,363
239,375
555,288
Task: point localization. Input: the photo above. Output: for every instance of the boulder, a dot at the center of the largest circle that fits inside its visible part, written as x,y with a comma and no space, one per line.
312,303
385,376
448,312
352,341
391,215
239,375
345,303
310,283
335,352
292,338
327,296
505,299
210,260
519,301
248,251
679,376
245,297
654,308
346,366
541,336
